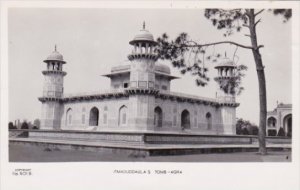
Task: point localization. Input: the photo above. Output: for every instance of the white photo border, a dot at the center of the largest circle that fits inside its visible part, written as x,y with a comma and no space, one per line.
99,175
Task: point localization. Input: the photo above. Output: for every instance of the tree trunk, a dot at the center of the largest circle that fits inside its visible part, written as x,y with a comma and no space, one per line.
261,84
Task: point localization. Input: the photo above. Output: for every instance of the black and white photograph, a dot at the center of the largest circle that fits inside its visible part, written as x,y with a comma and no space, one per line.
151,91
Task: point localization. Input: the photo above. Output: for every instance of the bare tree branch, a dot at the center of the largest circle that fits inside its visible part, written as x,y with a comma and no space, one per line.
235,52
215,43
260,46
245,25
258,12
259,20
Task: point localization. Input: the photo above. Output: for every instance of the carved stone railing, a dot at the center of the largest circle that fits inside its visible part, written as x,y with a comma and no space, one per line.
108,91
54,72
120,68
158,93
95,95
197,99
183,95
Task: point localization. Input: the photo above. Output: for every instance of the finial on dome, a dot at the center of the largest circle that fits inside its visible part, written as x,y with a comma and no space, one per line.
55,47
144,25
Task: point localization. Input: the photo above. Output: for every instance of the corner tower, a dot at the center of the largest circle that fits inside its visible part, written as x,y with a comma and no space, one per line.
142,81
226,94
226,73
52,91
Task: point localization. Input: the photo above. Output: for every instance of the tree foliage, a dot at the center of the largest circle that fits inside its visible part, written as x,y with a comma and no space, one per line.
183,57
233,85
230,20
193,57
245,127
234,20
190,56
286,13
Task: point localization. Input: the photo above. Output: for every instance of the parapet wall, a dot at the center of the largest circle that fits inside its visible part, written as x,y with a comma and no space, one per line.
149,137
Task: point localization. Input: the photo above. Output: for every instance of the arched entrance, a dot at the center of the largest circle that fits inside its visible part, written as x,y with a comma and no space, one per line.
94,116
287,125
271,122
69,117
185,120
123,116
158,117
208,120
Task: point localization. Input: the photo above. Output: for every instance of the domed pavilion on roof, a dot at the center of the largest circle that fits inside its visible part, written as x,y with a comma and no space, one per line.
139,98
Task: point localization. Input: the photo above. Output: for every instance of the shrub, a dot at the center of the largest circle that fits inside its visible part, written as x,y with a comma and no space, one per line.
245,131
253,130
281,132
24,125
244,127
11,126
239,130
35,127
272,132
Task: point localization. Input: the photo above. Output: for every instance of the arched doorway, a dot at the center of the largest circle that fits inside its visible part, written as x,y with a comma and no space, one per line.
208,120
271,122
287,125
94,116
69,117
158,117
123,116
185,120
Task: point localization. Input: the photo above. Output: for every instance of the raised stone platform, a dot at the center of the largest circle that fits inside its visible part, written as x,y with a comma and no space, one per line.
144,143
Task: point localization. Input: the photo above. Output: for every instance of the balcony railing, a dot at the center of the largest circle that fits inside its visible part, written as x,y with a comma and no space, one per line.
183,95
123,92
109,91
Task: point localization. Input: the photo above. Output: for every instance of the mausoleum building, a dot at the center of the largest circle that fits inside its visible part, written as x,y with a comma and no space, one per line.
280,117
139,98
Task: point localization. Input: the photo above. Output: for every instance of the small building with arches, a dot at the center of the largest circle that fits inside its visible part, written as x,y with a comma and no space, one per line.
139,98
280,117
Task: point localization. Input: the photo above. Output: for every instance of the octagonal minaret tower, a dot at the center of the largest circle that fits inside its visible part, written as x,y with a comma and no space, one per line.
143,60
52,91
226,72
142,80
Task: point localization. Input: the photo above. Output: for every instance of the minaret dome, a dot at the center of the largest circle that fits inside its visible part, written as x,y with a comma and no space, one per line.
143,37
55,56
226,68
143,45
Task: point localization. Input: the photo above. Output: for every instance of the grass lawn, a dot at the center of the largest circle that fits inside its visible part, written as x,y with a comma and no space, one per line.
25,153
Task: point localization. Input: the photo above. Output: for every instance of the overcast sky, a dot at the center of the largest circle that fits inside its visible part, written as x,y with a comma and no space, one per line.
94,40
